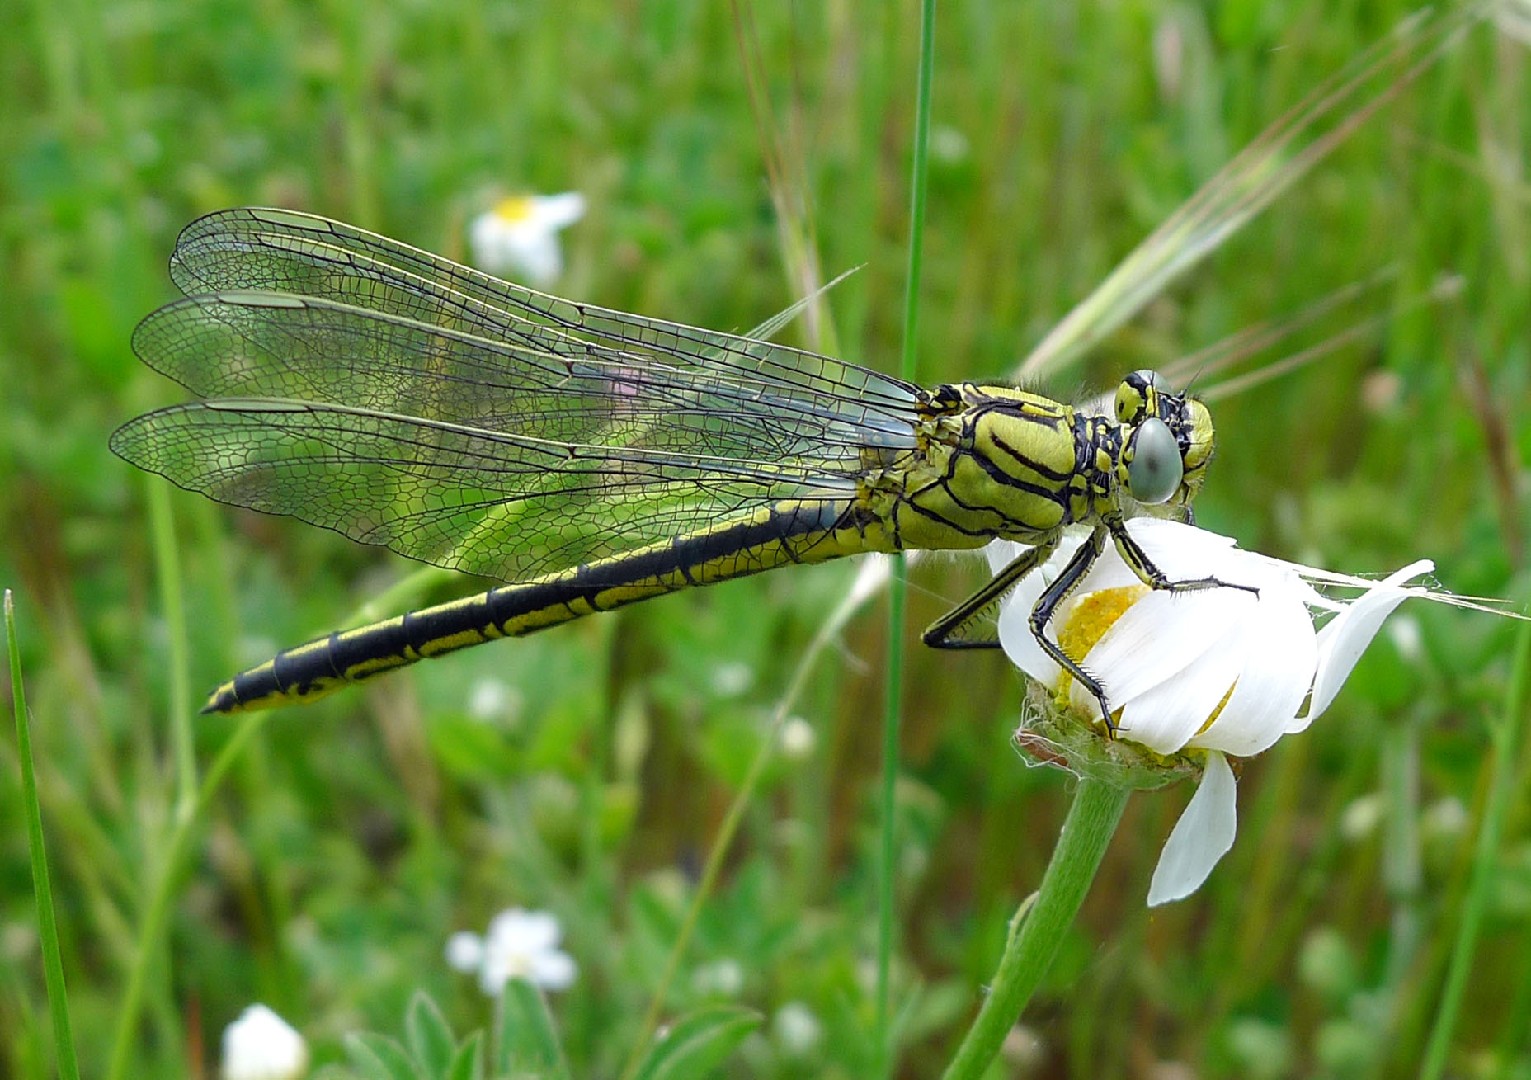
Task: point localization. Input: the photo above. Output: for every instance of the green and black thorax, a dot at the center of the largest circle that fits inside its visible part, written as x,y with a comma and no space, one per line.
992,460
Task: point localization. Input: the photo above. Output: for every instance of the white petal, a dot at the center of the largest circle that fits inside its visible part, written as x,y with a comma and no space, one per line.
1184,551
553,970
493,976
1166,664
538,257
1200,838
1345,637
260,1045
1165,717
558,211
465,951
1020,644
524,931
1015,635
1280,653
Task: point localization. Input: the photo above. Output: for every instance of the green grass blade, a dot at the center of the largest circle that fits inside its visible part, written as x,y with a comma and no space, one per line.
699,1042
1284,153
47,921
893,694
157,913
872,577
1506,737
172,603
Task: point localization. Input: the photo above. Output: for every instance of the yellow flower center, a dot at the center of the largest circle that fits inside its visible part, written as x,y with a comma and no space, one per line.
1218,711
1087,623
514,210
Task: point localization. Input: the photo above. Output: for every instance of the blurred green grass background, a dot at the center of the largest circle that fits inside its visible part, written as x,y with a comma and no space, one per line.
355,835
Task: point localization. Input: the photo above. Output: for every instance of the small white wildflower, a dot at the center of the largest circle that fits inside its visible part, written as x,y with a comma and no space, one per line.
732,679
465,952
1444,819
796,1029
798,739
1360,819
948,146
1169,56
1023,1049
493,699
1407,638
721,978
519,236
260,1045
519,945
1219,671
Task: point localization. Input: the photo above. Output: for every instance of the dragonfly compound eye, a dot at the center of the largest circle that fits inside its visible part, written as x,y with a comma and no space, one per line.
1155,469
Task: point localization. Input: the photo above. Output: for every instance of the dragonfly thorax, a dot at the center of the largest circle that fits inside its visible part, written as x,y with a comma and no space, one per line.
1008,463
1003,462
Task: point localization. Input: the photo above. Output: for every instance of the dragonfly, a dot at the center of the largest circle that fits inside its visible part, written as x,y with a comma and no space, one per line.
594,458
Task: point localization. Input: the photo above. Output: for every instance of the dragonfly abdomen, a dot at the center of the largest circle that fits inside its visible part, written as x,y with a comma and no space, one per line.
783,533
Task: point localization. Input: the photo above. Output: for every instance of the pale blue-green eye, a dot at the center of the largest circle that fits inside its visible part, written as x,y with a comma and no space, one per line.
1154,473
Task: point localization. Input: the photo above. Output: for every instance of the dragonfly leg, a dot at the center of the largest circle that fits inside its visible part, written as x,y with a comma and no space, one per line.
956,629
1138,561
1047,604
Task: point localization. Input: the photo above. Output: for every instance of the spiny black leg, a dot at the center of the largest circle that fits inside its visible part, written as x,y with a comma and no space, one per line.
1139,563
953,630
1047,604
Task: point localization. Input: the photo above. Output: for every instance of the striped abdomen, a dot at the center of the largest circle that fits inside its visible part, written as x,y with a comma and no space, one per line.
773,536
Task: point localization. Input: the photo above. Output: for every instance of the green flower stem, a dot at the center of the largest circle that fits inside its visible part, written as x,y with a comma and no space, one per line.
1043,921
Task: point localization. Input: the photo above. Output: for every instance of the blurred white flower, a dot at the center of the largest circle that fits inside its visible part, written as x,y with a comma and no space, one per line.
948,145
1169,55
797,1029
1220,671
1407,638
1362,817
519,945
1024,1050
729,680
260,1045
1445,819
493,699
721,978
798,739
518,238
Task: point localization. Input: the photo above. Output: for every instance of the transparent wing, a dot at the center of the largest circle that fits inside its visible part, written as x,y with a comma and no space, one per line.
466,498
489,437
285,251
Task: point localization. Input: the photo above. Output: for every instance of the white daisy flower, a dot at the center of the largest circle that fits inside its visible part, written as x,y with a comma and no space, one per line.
797,1030
260,1045
1194,676
518,238
519,945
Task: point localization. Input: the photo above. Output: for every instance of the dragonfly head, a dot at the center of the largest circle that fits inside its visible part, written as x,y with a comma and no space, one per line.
1168,440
